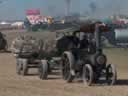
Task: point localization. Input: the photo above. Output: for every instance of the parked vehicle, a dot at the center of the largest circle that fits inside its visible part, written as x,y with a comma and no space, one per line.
3,42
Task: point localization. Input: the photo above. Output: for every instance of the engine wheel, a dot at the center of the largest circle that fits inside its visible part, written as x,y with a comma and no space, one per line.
66,70
111,74
88,75
24,67
43,70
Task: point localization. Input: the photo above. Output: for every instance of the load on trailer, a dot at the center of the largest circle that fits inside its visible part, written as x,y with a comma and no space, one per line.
27,50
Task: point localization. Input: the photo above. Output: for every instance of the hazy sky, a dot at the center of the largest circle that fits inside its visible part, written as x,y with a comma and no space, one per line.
15,9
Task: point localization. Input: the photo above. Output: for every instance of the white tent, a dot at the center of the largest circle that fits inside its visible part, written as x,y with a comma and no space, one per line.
4,23
17,24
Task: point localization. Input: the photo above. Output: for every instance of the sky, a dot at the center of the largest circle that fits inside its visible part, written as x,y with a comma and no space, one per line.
15,9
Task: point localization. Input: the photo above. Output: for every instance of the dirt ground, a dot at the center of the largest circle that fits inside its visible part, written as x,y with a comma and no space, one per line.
13,85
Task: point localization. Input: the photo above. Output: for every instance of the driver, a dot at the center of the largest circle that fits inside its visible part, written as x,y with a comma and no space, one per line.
83,40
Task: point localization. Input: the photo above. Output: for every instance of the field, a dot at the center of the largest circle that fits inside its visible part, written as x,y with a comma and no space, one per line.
13,85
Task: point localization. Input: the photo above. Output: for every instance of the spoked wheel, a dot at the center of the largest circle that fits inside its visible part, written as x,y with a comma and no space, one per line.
24,67
111,74
88,75
43,70
66,70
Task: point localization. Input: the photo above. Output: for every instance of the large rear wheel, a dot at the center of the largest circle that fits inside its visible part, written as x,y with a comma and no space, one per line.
66,69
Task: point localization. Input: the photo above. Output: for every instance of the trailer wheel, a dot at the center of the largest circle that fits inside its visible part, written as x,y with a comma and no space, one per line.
24,67
111,74
88,74
66,70
43,70
18,67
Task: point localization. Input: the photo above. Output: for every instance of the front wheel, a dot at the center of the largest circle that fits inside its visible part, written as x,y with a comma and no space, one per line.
43,70
88,74
111,74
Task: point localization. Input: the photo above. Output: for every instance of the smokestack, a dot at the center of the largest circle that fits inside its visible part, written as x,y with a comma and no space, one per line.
93,7
68,5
